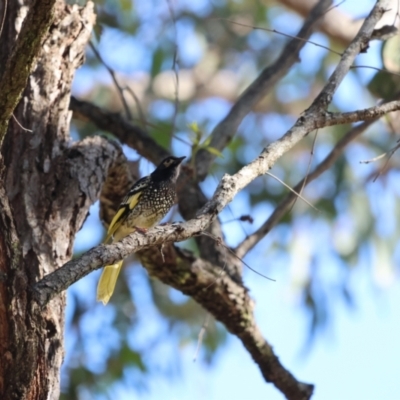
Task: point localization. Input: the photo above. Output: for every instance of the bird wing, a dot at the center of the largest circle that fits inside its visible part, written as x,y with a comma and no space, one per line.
128,204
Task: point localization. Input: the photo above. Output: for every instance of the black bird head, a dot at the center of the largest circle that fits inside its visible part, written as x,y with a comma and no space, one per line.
169,168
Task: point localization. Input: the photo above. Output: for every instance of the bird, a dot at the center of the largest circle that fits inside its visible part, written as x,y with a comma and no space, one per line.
144,206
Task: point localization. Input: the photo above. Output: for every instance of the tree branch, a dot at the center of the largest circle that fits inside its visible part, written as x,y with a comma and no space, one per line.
360,43
19,65
132,135
211,287
226,129
247,244
340,26
191,198
366,114
335,23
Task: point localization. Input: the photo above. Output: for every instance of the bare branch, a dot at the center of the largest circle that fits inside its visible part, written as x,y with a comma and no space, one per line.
367,114
226,129
243,248
115,80
102,170
335,23
359,43
125,131
227,301
192,198
229,186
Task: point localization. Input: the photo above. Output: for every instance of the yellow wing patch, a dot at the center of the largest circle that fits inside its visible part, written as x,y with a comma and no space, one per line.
121,215
134,200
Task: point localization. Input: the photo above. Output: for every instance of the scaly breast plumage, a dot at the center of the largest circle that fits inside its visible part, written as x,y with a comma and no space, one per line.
153,205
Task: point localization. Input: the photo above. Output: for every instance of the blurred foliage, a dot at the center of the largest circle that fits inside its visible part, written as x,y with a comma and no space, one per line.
160,47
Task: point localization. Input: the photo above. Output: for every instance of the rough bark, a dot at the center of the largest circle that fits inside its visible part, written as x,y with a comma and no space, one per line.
46,188
25,48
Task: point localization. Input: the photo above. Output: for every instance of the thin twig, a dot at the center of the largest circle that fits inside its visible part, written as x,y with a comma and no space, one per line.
142,117
388,154
282,208
242,218
292,190
235,255
308,169
375,68
201,335
257,28
114,78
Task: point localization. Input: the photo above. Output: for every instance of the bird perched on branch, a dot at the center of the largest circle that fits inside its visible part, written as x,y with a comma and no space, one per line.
145,205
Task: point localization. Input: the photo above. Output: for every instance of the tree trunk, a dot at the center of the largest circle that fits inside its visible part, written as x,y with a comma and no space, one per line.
44,199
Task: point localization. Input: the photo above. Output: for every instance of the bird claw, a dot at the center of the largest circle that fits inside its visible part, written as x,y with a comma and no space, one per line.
143,231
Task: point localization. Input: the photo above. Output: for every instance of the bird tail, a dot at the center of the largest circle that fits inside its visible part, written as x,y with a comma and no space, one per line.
108,279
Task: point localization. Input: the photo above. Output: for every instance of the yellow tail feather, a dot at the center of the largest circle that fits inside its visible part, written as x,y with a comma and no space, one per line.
108,279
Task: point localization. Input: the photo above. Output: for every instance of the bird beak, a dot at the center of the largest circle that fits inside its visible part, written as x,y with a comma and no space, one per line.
180,159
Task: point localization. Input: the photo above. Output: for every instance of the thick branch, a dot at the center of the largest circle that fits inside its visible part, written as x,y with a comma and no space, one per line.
211,287
226,129
125,131
21,61
191,198
230,303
